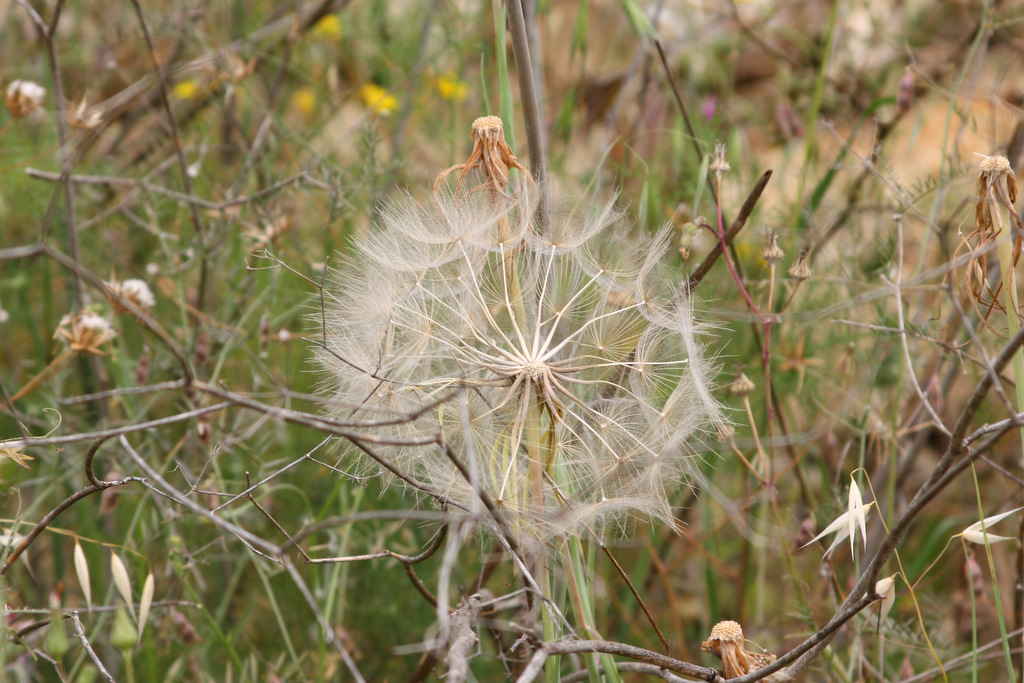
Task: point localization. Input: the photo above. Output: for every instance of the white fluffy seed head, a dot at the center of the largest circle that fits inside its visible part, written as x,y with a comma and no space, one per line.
571,347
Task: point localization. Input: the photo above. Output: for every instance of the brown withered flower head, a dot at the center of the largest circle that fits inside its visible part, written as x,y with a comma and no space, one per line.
23,98
728,644
993,209
997,189
85,332
491,155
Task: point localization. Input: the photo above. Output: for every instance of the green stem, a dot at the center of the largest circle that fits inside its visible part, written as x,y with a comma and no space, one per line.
995,581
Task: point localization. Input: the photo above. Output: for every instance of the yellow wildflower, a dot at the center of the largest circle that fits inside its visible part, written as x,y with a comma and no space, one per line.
377,99
304,100
186,90
450,87
328,28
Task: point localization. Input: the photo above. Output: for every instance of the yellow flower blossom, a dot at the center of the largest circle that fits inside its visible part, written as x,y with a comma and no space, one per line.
328,28
377,99
186,90
450,87
304,100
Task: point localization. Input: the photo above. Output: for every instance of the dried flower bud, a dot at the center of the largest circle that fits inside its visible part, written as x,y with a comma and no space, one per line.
800,270
85,117
202,346
742,386
85,332
972,570
57,642
905,92
23,98
772,253
124,636
142,369
203,429
186,631
264,335
134,290
719,164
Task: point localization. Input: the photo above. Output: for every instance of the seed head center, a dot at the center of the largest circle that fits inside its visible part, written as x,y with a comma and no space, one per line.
534,368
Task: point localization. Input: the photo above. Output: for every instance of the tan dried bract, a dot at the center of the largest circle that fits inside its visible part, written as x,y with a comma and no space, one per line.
491,155
85,332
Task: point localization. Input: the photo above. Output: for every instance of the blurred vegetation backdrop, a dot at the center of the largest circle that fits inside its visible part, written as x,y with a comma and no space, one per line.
188,190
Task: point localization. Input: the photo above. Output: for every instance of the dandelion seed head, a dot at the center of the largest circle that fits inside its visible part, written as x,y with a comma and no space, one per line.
567,353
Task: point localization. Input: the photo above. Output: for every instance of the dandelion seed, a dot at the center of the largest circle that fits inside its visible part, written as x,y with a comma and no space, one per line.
975,534
23,98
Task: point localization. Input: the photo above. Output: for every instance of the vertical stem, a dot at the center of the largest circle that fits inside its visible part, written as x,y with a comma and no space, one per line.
1012,307
535,474
531,106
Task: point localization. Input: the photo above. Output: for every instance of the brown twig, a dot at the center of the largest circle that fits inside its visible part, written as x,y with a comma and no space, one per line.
705,266
619,649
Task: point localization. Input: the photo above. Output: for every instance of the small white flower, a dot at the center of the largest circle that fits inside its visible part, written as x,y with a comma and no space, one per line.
138,291
858,515
846,524
23,98
974,533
